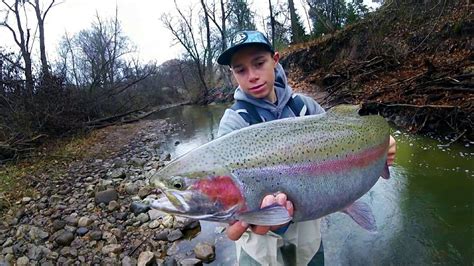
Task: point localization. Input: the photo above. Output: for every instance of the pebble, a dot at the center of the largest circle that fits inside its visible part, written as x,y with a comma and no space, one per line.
65,238
84,221
154,224
82,231
96,235
156,214
138,207
113,205
204,252
106,196
22,261
175,235
145,258
128,261
143,217
111,248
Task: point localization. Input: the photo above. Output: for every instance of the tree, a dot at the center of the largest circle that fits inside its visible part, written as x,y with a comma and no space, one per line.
22,37
241,17
189,38
297,29
327,15
40,17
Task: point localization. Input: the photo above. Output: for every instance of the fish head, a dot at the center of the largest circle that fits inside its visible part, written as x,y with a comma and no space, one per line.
204,195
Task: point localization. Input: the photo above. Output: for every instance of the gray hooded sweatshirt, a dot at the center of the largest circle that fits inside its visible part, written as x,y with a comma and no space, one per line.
267,110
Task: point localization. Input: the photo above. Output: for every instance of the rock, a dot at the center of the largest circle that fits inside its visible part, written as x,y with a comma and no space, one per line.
106,196
58,225
162,235
22,261
190,262
84,221
138,162
131,188
96,235
90,206
72,219
82,231
169,261
109,238
34,253
128,261
121,216
138,207
116,232
143,218
25,200
65,238
111,248
145,258
168,221
7,242
37,234
144,191
156,214
204,252
117,174
113,205
175,235
7,250
154,224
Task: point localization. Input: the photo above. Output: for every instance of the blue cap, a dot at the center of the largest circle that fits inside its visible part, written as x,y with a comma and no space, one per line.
242,39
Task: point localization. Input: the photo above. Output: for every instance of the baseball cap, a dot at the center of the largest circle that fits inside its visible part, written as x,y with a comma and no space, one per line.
242,39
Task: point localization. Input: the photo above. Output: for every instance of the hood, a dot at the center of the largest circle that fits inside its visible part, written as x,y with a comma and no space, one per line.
283,93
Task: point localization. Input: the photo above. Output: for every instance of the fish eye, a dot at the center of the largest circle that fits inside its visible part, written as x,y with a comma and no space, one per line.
177,183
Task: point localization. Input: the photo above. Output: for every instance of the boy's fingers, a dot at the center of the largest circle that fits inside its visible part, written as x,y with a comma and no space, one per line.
281,199
235,231
290,208
267,201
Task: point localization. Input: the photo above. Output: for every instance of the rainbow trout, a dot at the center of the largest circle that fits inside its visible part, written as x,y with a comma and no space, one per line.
323,163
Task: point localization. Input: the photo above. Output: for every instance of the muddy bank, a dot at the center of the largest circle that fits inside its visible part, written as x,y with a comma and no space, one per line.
92,213
412,64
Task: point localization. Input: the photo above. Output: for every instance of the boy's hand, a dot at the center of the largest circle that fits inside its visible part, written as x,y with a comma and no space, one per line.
235,230
392,149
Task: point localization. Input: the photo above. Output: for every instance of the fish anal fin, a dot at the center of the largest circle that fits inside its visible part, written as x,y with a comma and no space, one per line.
362,214
271,215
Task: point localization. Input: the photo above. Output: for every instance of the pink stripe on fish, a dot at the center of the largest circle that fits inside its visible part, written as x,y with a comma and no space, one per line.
357,160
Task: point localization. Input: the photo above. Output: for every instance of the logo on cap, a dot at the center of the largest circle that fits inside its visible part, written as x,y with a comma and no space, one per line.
239,38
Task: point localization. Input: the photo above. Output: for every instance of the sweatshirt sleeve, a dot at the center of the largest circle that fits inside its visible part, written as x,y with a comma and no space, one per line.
313,107
230,121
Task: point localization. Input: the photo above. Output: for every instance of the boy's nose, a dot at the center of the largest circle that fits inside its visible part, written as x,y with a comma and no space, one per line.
253,76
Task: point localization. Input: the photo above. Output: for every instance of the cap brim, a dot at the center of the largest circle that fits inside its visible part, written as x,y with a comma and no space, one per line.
226,56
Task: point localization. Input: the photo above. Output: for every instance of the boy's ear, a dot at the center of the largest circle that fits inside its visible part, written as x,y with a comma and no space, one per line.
276,58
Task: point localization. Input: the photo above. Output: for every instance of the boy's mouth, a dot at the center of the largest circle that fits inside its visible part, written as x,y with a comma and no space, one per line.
257,88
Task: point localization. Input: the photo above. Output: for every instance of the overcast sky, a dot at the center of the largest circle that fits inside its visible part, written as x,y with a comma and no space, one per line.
140,22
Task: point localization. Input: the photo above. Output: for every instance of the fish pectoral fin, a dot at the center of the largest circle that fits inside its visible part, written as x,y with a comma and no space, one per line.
268,216
386,172
362,214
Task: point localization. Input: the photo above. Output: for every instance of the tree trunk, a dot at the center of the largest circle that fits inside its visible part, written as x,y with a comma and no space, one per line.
272,21
40,19
294,22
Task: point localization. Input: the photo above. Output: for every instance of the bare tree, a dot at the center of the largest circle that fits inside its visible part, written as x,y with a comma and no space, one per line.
40,17
21,35
186,35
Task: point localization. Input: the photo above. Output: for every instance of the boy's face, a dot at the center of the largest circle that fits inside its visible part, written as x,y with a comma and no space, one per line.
253,68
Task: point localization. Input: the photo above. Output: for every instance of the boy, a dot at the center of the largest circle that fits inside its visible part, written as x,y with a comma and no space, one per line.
263,95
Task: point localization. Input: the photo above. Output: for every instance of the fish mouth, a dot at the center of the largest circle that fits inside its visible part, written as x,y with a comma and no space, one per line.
173,201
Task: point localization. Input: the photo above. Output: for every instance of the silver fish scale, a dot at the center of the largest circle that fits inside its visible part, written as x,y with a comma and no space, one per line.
262,158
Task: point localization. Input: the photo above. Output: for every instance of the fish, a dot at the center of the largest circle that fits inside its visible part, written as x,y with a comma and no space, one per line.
324,163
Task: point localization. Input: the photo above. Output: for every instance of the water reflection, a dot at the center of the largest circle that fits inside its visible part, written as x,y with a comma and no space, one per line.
424,212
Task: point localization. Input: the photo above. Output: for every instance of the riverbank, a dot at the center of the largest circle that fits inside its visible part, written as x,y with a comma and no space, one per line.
81,202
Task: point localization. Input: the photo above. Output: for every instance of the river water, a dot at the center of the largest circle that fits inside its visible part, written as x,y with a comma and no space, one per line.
424,213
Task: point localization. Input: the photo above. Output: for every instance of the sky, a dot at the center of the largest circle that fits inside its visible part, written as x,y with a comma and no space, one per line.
140,22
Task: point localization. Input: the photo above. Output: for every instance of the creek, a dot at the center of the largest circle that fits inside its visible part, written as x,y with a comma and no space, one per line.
424,213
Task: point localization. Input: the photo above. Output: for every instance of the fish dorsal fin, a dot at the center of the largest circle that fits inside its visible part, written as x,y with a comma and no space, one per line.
361,213
345,110
271,215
